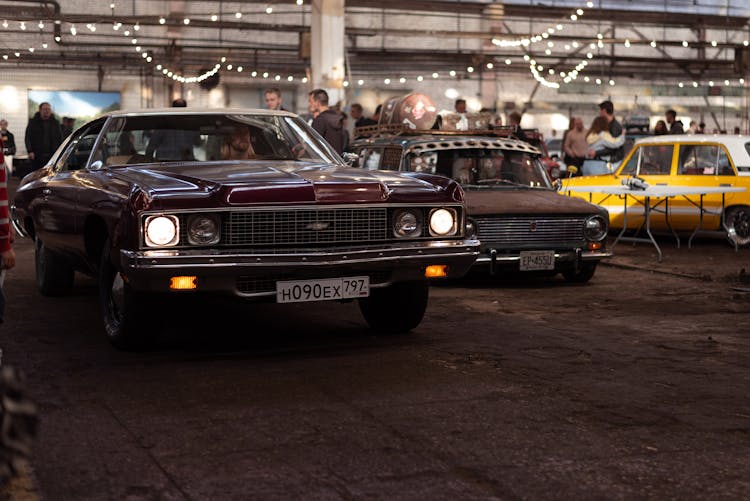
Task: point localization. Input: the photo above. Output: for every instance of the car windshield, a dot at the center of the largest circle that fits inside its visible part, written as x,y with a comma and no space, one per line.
482,167
139,139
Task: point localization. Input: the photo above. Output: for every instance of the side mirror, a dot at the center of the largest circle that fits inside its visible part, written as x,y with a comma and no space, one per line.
351,159
96,165
557,184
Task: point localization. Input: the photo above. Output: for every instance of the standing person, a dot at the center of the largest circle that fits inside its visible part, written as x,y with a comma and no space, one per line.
607,110
460,105
357,114
273,99
675,126
66,128
660,128
43,136
600,140
7,254
328,122
514,119
575,147
9,144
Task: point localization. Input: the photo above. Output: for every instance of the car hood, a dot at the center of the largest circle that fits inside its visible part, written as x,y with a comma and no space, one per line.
254,182
525,201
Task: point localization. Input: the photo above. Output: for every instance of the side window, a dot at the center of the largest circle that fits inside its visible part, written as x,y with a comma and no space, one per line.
656,160
631,168
704,160
79,148
724,165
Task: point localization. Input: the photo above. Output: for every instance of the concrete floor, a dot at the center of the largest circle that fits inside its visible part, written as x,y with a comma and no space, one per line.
631,386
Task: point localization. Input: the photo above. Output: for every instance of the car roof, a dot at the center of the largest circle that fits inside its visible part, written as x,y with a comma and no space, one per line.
198,111
737,145
728,140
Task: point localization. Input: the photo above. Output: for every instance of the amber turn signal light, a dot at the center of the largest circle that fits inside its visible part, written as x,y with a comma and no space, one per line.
595,245
436,271
182,283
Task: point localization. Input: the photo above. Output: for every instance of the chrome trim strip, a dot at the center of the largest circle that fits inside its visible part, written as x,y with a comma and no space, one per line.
559,257
169,259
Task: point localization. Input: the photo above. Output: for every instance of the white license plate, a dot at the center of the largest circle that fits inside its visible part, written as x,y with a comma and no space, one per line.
537,260
327,289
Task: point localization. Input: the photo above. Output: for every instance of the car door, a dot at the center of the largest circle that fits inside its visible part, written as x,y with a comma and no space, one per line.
702,165
58,217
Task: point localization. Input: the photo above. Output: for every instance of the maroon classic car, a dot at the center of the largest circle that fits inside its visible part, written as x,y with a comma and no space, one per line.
246,203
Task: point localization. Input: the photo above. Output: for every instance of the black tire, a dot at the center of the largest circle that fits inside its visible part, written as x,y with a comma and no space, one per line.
128,321
737,222
584,274
54,275
396,309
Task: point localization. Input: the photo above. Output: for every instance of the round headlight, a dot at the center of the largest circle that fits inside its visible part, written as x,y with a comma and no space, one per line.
595,228
161,231
203,229
406,224
443,222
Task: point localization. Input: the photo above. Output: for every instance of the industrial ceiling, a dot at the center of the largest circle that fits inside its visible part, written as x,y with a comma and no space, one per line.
668,40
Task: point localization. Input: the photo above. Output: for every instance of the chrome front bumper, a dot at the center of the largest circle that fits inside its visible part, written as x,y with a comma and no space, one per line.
510,261
218,271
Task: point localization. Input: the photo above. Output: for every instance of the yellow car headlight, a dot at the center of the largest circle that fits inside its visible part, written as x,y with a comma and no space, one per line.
162,231
443,222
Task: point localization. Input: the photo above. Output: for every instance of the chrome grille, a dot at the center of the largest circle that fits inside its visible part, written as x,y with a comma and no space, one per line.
305,226
527,232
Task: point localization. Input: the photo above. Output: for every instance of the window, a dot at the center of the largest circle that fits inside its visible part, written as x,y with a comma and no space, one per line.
703,160
210,137
654,160
79,148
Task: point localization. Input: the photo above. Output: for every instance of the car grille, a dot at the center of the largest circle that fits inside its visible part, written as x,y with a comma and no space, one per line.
530,232
306,226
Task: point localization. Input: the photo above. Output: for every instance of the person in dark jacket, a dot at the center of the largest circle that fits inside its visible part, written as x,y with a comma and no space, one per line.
43,136
675,126
328,122
9,144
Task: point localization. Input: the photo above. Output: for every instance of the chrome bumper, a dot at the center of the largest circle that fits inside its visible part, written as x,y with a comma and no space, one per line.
506,261
219,270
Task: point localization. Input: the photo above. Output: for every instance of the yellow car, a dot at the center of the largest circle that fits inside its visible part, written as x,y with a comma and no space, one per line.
685,177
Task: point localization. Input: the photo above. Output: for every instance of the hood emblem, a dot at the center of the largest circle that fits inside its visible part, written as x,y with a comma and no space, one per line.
318,226
532,226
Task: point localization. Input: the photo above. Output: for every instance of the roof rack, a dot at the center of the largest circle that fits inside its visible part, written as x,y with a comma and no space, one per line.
403,130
